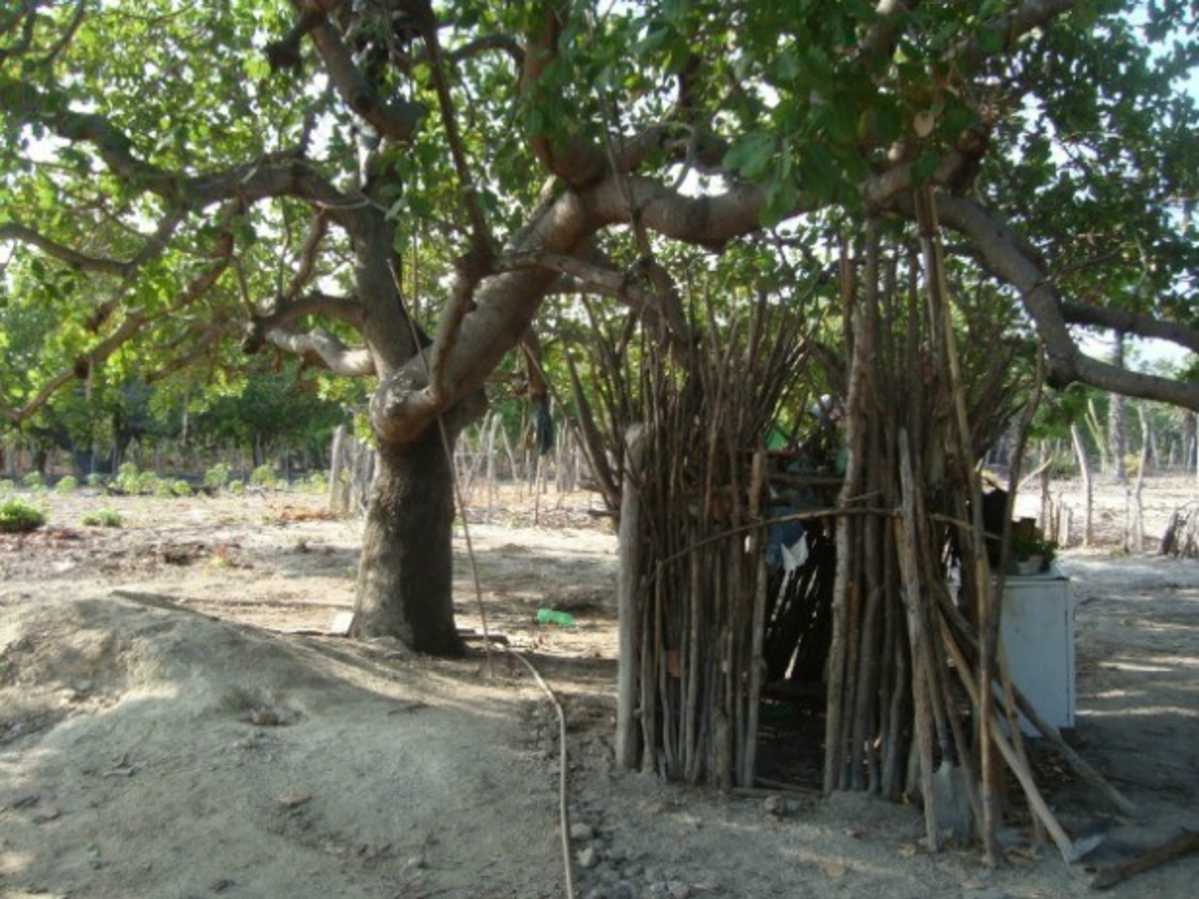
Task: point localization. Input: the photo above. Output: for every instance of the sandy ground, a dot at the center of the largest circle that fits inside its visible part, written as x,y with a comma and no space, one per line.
172,740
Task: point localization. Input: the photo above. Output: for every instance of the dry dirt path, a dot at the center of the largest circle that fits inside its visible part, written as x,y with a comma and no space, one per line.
148,751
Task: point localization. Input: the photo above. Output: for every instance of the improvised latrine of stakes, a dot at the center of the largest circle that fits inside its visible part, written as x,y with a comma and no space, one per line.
895,610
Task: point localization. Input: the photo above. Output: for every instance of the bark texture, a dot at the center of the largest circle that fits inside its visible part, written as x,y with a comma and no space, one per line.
405,573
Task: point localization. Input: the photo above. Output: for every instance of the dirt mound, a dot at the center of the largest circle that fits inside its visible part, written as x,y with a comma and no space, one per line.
154,752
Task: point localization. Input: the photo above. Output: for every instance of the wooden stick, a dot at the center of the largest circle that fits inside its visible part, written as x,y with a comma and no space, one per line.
926,211
1080,766
905,538
1035,801
756,662
834,746
1183,844
628,609
691,754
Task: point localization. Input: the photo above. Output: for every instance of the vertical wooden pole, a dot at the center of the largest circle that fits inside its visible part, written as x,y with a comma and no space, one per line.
905,538
628,606
336,468
1084,468
834,736
756,662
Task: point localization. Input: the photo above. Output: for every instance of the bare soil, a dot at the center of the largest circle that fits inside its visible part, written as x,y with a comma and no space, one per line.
165,733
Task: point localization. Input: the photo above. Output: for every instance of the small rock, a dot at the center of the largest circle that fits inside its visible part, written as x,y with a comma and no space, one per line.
833,870
47,814
264,718
775,806
293,799
219,886
588,858
676,889
581,831
25,801
622,889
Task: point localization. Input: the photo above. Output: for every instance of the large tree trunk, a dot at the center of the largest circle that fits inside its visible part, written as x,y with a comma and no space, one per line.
405,572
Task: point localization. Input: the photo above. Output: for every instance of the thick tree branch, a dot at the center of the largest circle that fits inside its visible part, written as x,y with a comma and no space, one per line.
73,258
308,254
134,324
587,276
1131,323
709,221
115,148
326,350
258,329
153,248
200,346
397,119
272,176
479,261
879,41
1028,16
285,53
488,42
1003,253
66,37
26,14
574,160
471,49
879,190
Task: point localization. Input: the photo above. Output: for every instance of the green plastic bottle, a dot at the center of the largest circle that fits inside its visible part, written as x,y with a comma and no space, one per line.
549,616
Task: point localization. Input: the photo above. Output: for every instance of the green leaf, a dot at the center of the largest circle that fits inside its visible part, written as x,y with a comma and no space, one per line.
924,166
750,156
990,40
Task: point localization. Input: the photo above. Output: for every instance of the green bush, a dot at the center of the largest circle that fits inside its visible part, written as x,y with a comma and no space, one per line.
264,476
181,488
95,479
237,488
1132,464
17,516
128,478
217,476
6,486
316,482
103,518
149,483
163,488
33,480
66,485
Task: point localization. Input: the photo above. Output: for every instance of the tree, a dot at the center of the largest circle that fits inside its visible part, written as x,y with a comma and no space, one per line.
334,175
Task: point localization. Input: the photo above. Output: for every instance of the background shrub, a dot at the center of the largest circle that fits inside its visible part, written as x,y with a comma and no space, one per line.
103,518
18,516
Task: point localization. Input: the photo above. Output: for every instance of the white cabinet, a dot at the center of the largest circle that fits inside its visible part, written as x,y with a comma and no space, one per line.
1038,634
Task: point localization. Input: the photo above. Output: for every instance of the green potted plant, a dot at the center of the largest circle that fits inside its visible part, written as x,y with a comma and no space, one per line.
1031,554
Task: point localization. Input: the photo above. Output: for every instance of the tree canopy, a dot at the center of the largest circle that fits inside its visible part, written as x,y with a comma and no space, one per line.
326,177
